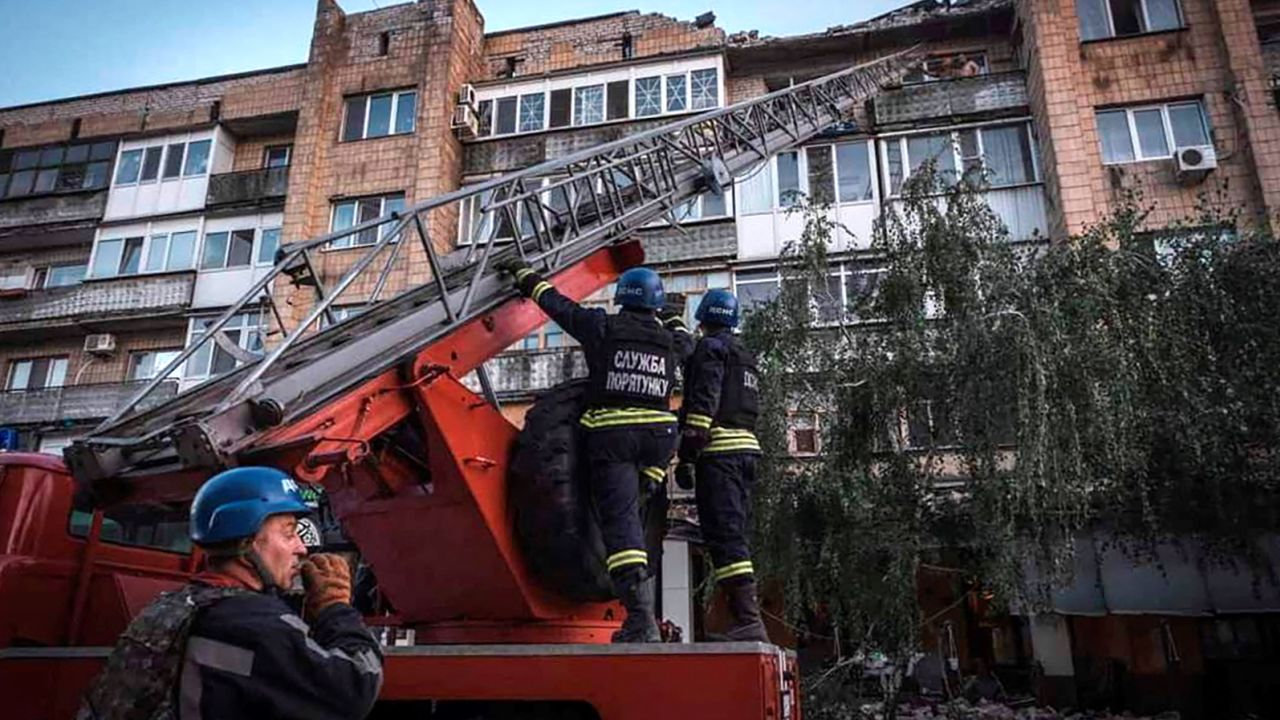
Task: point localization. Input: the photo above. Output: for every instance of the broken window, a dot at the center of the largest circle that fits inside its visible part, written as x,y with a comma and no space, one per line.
648,96
677,93
588,105
1101,19
619,100
704,88
505,117
561,106
532,111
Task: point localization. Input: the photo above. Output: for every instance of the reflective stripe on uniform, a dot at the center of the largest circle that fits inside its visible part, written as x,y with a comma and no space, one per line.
732,440
698,421
539,289
613,417
626,557
734,570
522,273
656,474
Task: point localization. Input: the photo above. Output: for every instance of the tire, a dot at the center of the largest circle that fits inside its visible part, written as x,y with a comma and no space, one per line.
554,522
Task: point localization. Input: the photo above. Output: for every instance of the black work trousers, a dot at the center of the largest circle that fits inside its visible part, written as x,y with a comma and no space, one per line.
618,458
723,493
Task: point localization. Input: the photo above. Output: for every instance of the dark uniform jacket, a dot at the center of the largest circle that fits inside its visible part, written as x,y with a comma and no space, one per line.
252,656
721,393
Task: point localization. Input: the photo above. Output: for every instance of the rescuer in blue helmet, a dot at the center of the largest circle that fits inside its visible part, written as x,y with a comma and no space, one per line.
630,429
718,448
229,644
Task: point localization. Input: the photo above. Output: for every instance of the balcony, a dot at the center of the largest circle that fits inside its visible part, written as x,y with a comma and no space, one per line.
514,152
52,208
698,241
249,188
135,302
1022,208
525,373
944,100
75,402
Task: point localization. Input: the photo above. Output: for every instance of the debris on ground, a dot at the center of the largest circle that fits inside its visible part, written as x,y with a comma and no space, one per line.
963,710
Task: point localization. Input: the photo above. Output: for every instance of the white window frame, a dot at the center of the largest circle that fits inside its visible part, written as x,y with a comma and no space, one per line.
630,74
237,322
382,210
148,234
802,164
254,249
391,122
1146,21
1165,122
134,356
164,144
58,369
288,154
882,152
48,275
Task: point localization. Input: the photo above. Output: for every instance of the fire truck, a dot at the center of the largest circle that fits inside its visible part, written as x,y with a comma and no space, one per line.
496,572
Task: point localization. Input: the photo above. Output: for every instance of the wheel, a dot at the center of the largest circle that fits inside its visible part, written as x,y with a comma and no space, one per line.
554,520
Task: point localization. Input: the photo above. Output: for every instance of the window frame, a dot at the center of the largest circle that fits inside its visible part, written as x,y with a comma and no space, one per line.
134,356
382,210
1145,17
255,248
148,237
1166,124
51,360
242,342
266,155
392,117
67,165
901,140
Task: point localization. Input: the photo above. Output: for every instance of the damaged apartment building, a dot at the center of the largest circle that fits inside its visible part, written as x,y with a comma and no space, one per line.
129,219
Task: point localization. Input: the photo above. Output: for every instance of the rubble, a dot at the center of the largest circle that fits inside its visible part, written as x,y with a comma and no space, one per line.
963,710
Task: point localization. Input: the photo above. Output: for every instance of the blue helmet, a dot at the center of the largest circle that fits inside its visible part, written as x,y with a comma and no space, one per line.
233,504
718,306
640,287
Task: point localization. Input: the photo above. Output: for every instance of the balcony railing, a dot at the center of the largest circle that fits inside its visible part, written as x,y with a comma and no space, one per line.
103,301
59,208
945,99
74,402
524,373
248,187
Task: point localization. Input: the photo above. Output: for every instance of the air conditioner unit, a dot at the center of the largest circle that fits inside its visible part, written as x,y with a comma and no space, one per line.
100,343
467,95
465,121
1194,162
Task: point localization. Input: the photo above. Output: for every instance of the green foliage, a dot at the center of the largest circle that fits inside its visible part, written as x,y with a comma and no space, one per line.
1051,388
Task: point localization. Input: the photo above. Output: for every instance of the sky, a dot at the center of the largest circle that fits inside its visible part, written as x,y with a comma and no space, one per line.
60,48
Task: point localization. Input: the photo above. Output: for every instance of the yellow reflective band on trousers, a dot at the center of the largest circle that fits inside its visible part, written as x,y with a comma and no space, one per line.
626,557
698,421
617,417
655,474
734,570
539,289
522,273
725,440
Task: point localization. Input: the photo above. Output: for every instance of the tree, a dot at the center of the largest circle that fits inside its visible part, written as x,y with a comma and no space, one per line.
989,401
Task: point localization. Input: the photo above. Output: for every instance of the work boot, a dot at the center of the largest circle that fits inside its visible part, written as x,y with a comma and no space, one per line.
635,590
746,625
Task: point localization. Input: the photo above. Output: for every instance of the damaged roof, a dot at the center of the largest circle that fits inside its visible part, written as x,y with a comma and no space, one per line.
917,13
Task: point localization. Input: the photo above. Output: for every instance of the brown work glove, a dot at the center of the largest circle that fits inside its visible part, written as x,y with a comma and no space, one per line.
327,578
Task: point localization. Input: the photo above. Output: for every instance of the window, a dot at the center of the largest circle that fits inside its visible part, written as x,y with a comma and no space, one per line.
161,252
1150,133
244,333
146,364
532,109
274,156
618,100
1116,18
505,120
704,89
648,96
756,287
268,243
350,213
65,275
706,206
37,373
547,337
677,100
227,249
588,105
802,434
55,169
151,164
379,115
15,279
561,106
117,256
160,527
995,155
197,158
130,165
821,174
853,166
173,160
788,179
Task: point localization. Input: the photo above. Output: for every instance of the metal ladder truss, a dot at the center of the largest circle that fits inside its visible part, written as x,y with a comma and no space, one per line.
553,214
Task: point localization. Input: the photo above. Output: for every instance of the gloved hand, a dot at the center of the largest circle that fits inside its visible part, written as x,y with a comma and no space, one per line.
685,475
692,440
327,578
524,276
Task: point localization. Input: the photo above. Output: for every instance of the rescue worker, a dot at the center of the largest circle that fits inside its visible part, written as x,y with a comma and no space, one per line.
630,429
227,644
718,453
